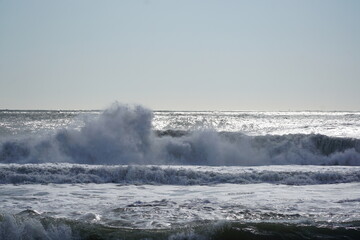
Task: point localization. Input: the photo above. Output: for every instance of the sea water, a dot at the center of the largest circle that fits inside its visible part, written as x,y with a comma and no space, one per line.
131,173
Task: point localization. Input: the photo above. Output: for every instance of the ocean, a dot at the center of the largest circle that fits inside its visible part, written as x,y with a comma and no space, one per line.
132,173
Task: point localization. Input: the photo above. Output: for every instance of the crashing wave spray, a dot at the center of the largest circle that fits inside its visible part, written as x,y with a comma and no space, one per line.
123,134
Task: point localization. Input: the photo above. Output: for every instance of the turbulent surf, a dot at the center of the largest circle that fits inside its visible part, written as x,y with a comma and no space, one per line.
142,174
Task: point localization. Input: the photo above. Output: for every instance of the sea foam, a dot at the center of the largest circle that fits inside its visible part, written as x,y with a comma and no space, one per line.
170,175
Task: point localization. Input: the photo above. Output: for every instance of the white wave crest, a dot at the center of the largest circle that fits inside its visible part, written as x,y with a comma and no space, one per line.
175,175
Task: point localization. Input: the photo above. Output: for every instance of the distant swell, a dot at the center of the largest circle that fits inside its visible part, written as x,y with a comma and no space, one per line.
53,173
124,135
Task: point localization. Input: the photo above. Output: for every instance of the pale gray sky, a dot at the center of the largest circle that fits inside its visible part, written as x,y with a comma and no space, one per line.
180,55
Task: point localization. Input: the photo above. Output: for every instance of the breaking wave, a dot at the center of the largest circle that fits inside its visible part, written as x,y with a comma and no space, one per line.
29,225
123,134
176,175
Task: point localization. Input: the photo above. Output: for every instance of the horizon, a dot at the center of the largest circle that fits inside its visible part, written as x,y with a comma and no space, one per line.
167,110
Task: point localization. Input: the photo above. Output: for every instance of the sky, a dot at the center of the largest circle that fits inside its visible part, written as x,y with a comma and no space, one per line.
180,55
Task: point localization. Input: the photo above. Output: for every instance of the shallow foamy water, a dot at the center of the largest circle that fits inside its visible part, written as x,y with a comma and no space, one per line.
164,206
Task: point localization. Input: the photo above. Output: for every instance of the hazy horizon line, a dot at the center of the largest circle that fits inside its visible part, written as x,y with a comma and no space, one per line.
168,110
